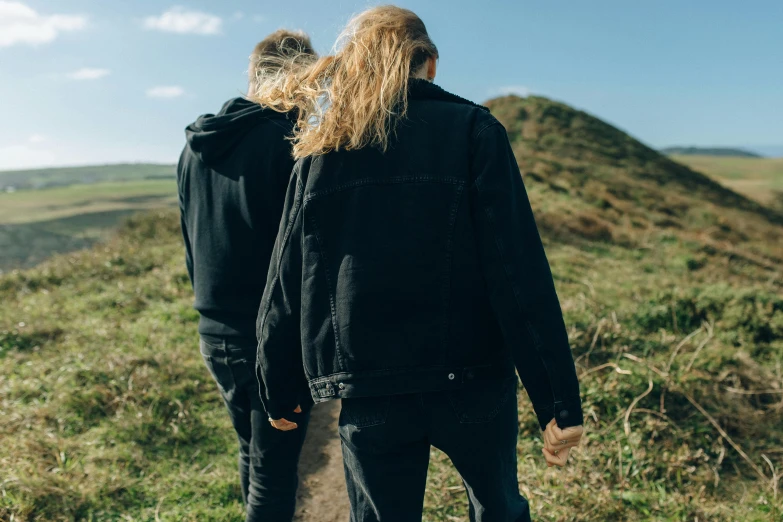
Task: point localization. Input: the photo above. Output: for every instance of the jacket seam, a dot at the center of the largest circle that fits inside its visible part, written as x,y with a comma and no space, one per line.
345,374
332,306
449,262
283,246
276,283
291,220
528,326
486,126
389,181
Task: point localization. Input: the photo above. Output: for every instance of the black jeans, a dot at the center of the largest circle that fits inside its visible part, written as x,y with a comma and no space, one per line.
268,458
386,448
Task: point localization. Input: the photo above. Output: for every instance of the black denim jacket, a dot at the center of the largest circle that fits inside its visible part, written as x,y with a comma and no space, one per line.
419,269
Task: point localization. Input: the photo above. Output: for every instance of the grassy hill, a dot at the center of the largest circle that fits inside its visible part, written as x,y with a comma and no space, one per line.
34,224
709,151
760,179
62,176
671,287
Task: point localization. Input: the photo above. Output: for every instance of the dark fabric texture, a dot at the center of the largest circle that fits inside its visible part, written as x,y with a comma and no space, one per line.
268,458
232,177
386,447
415,270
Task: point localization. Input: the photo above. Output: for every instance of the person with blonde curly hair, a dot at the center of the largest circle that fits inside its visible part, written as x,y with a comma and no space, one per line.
409,279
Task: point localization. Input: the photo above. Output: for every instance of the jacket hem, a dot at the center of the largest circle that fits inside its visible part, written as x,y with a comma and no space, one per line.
343,385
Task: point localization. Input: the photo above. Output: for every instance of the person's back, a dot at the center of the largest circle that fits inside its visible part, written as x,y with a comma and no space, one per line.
394,232
232,178
409,267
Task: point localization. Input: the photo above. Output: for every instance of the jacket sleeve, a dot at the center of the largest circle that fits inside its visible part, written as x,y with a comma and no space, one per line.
181,188
519,280
279,366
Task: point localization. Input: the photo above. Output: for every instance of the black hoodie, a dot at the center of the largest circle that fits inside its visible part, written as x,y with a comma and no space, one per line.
232,178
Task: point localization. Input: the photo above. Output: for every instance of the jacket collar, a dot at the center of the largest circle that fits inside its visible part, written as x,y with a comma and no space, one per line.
423,90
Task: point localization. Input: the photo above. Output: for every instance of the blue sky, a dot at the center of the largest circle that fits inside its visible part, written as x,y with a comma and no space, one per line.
96,81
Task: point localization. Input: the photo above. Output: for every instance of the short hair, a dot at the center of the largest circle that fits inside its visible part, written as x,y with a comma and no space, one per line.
272,52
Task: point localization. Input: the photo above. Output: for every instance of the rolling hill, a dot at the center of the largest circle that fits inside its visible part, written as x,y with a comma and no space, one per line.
49,211
760,179
35,224
593,181
709,151
672,292
63,176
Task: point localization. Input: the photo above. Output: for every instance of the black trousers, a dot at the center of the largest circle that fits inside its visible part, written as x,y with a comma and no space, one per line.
386,447
268,458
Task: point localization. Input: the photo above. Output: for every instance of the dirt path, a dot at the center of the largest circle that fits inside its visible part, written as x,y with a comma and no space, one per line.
322,495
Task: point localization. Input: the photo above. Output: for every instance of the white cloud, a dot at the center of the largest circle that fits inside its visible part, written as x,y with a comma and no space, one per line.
165,91
239,15
518,90
183,21
20,156
24,153
88,73
21,24
259,18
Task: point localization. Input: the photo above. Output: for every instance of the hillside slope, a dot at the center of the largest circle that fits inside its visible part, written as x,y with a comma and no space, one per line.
591,180
671,289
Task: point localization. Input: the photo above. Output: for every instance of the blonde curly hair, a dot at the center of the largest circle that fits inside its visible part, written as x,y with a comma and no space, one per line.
354,97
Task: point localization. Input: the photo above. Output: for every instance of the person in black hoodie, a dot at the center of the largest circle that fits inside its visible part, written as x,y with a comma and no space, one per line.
409,280
232,178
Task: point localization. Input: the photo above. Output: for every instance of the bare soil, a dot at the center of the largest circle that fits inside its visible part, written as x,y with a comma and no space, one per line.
322,496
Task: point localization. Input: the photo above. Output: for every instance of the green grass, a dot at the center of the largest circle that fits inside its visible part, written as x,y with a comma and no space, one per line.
672,328
757,178
106,411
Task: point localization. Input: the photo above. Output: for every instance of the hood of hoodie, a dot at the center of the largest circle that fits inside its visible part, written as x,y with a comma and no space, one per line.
212,137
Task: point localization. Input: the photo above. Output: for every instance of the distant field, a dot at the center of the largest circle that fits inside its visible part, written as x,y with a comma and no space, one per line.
54,177
34,224
757,178
56,203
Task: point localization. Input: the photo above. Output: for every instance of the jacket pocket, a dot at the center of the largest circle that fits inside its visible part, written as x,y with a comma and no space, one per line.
241,359
480,401
364,412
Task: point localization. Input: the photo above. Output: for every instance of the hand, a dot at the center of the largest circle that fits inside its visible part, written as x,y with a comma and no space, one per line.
558,443
284,424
